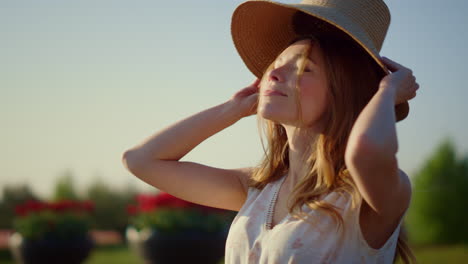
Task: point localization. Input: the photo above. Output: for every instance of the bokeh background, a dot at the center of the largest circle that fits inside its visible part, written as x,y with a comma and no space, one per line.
83,81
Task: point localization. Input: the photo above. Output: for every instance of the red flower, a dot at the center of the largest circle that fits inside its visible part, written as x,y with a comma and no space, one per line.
132,209
21,210
32,206
87,206
151,202
62,206
29,206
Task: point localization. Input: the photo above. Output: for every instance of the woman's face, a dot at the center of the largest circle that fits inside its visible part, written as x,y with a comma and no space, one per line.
281,108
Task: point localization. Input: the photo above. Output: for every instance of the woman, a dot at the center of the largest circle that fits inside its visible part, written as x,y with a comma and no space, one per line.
329,189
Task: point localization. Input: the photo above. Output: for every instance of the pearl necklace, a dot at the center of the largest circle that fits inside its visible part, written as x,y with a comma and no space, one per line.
271,207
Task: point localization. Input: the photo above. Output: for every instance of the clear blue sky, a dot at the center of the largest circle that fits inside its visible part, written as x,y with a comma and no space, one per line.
82,81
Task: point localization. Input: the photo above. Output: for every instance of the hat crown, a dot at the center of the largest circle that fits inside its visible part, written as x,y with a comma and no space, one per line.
372,16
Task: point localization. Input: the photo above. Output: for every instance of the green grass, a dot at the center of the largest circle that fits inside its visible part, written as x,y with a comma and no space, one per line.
119,254
427,255
441,254
114,254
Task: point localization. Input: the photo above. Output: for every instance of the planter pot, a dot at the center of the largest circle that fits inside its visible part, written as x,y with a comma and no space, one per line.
50,250
191,246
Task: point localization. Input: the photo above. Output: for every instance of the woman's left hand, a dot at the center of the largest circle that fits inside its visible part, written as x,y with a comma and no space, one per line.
401,79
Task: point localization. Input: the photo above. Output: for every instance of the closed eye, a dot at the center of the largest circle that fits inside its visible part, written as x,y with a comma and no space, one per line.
309,66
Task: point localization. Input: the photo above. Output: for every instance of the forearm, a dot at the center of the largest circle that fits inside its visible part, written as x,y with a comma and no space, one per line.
175,141
376,125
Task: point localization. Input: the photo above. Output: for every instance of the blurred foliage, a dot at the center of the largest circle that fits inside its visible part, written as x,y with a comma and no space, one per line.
110,205
64,222
65,188
438,213
13,196
175,220
169,214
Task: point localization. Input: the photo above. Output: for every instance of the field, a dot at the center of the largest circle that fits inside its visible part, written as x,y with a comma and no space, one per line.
122,255
441,254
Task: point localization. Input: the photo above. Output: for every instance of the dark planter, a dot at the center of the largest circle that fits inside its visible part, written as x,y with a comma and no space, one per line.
54,250
191,246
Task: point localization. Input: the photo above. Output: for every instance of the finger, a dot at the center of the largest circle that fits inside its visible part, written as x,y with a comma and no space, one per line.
254,105
392,65
254,97
255,83
253,87
250,90
246,91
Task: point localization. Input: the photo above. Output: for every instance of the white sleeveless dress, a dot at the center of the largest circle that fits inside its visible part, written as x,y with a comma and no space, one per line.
296,241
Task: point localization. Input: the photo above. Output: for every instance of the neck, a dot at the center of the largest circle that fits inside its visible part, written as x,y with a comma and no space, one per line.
301,144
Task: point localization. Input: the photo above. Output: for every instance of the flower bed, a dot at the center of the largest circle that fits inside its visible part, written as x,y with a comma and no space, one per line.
62,219
52,232
169,214
165,229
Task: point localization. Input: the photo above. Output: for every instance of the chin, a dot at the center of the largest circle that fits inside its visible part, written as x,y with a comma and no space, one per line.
271,115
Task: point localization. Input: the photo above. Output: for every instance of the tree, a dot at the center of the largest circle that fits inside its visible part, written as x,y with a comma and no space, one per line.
438,212
110,205
65,188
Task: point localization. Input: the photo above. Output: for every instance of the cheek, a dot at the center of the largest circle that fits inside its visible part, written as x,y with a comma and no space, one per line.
313,96
313,91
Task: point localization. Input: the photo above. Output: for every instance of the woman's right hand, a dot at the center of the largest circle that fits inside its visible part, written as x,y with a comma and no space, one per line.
246,100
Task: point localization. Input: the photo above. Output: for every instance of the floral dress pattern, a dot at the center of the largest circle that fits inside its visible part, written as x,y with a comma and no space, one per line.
296,241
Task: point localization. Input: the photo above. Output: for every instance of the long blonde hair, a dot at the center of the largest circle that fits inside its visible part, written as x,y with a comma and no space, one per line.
353,79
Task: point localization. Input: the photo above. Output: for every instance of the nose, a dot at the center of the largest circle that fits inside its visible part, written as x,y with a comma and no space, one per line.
275,75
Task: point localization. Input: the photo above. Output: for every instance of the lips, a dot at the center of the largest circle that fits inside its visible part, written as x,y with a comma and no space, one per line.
273,92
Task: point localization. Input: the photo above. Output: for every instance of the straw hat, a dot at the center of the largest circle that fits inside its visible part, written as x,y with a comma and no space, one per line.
262,29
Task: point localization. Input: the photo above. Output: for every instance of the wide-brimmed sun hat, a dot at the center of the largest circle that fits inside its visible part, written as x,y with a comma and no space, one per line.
262,29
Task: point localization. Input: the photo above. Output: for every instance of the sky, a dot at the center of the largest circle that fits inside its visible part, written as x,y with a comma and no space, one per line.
83,81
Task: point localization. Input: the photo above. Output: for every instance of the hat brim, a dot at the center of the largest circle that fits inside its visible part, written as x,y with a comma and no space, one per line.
262,29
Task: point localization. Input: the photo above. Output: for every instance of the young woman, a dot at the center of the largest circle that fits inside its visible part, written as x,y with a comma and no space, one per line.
329,189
